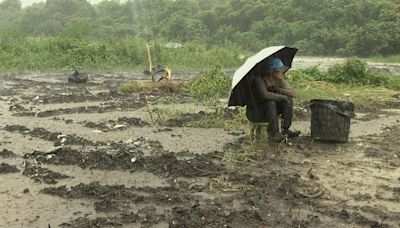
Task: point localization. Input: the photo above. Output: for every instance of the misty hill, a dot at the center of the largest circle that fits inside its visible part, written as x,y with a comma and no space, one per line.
318,27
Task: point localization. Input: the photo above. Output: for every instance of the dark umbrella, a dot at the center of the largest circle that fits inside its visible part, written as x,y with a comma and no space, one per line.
241,90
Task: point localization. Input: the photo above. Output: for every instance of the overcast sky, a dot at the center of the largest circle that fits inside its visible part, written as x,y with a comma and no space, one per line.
30,2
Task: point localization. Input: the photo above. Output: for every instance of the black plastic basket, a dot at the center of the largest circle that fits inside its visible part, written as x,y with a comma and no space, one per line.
330,119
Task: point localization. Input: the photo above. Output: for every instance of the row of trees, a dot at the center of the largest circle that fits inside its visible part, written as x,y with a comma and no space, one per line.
317,27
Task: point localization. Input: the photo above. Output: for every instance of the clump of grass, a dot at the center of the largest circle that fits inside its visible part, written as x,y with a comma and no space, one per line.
246,154
212,84
164,114
134,87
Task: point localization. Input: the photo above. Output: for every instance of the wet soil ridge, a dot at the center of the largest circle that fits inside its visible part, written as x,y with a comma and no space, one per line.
146,216
119,198
57,137
120,124
6,168
106,107
7,154
131,158
42,175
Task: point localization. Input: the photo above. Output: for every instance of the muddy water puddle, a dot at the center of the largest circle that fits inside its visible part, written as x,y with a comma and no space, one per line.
32,209
23,204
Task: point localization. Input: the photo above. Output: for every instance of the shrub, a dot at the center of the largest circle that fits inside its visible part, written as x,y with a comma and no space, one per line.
353,71
212,84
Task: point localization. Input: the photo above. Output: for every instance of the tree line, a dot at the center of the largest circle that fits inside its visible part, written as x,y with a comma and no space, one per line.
317,27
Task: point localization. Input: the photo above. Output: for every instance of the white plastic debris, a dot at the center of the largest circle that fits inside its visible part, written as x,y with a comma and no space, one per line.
61,136
63,140
54,149
118,126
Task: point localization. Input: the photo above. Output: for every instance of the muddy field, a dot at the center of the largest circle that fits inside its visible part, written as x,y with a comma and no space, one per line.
89,156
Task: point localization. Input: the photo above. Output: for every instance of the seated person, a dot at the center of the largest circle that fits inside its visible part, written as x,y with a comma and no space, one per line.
273,97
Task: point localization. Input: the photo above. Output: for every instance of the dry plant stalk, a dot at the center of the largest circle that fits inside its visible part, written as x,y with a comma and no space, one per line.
148,108
168,75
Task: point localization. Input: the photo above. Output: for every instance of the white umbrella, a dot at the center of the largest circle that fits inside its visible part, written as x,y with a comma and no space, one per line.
241,90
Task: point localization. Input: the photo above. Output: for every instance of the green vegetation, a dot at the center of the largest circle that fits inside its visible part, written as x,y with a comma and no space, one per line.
212,84
39,53
353,72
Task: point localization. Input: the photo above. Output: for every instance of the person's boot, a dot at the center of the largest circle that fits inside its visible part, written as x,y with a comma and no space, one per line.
291,134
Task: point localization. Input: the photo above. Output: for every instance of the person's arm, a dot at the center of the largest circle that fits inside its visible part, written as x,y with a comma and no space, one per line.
263,93
284,88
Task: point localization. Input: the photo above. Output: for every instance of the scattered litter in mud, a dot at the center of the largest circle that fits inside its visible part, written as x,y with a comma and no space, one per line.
57,137
121,124
6,168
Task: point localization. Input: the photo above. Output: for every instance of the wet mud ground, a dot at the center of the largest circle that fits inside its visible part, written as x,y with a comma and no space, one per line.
89,156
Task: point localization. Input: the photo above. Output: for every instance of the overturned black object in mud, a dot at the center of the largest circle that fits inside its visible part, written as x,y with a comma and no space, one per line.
78,77
330,119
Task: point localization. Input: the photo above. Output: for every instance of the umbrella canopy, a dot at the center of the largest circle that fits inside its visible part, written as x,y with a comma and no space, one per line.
241,90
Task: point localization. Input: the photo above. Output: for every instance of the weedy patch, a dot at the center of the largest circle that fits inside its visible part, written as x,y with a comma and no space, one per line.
212,84
245,150
217,117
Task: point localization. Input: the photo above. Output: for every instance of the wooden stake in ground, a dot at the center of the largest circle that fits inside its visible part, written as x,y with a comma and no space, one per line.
150,62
